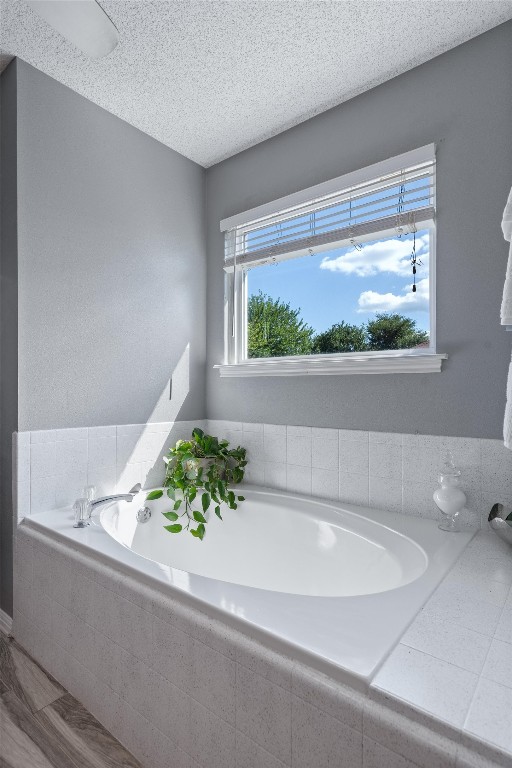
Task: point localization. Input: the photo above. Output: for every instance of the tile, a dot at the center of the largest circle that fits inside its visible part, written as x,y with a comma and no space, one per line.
274,430
417,499
98,432
255,473
422,465
473,614
298,450
498,665
386,493
354,489
128,475
324,433
212,741
264,662
169,710
385,460
377,756
447,641
102,452
458,590
387,438
71,457
353,457
430,684
132,430
252,427
253,443
326,694
325,453
485,717
164,753
293,432
324,483
353,435
407,737
274,448
298,479
103,479
42,494
69,488
71,434
42,436
322,741
275,475
213,678
171,654
496,467
251,755
42,460
263,712
22,508
504,629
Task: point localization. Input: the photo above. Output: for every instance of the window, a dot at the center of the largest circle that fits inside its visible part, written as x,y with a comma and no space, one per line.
338,278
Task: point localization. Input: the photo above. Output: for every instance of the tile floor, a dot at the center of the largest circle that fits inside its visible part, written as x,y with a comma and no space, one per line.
43,726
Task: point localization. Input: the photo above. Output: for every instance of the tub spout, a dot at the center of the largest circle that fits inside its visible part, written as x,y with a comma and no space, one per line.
104,500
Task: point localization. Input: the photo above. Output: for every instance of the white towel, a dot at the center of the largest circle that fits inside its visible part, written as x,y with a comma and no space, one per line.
506,303
506,318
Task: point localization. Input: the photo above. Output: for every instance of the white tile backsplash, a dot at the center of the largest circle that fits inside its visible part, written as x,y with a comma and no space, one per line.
397,472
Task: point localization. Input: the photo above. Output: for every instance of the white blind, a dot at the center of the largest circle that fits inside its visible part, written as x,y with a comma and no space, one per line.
401,200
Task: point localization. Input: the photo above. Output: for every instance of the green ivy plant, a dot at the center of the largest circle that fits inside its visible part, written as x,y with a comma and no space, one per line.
199,473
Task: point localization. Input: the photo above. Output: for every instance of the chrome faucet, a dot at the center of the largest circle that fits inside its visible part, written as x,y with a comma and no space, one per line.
104,500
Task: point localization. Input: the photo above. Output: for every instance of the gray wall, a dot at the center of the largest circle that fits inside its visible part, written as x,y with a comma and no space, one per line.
8,324
462,101
111,267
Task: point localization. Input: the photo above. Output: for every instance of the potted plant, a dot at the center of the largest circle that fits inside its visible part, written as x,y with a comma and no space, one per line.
200,473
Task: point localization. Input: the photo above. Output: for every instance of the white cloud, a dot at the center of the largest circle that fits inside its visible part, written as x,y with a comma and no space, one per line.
371,301
383,256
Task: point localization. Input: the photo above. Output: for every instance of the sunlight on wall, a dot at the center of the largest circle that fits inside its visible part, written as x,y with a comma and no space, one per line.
141,447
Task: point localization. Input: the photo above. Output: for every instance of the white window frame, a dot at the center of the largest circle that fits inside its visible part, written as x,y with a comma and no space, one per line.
237,364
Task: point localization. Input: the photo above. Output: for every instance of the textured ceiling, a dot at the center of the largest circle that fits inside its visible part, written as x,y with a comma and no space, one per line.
210,78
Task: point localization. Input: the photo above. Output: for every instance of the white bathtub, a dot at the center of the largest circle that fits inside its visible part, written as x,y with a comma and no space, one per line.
331,583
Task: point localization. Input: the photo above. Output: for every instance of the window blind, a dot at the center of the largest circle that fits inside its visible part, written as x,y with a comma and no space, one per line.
402,201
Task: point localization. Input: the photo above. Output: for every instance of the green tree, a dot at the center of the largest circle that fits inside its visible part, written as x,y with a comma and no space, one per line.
394,332
341,337
274,329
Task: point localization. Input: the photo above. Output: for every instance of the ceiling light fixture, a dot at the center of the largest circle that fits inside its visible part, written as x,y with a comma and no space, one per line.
83,22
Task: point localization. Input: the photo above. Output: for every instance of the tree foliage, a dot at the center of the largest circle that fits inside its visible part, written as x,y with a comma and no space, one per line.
340,337
394,332
275,329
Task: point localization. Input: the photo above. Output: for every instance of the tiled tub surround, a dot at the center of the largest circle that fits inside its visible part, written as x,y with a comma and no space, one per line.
53,466
397,472
180,688
213,697
379,469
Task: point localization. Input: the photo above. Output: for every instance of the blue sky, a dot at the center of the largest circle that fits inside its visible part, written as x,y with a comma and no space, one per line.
351,285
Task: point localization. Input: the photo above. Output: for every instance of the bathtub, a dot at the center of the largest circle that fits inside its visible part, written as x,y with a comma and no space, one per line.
331,584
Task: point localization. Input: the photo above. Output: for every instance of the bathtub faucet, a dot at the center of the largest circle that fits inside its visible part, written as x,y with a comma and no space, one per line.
103,500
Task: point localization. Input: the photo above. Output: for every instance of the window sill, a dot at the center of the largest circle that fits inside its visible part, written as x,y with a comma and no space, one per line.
335,366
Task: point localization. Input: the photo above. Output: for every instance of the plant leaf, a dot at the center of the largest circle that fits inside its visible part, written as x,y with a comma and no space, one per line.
170,515
176,528
241,498
199,517
177,504
217,512
171,492
199,531
205,501
154,495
